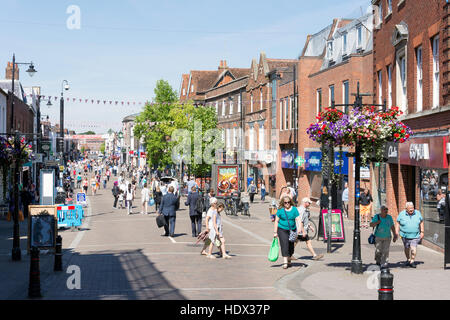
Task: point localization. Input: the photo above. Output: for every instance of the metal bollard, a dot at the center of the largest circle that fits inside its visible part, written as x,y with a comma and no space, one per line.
58,255
386,290
34,286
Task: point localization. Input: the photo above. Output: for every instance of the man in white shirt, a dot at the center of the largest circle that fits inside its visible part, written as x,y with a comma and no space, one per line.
163,189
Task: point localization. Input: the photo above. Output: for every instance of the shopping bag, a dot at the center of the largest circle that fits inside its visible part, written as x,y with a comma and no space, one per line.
274,250
151,202
21,217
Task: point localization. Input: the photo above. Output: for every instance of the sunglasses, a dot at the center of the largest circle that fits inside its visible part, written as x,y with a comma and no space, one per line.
287,202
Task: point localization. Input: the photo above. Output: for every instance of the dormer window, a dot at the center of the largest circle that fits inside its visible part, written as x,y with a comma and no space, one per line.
330,50
344,43
359,35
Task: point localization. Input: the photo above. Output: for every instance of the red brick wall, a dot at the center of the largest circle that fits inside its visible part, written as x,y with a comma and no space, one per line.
23,116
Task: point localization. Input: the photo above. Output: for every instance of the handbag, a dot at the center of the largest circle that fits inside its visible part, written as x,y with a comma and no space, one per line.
217,242
151,202
372,237
274,250
160,221
292,234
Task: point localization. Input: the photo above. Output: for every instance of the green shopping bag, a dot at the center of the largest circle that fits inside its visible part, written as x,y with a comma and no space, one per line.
274,250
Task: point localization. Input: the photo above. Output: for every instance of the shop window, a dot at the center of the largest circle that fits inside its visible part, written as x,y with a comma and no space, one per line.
433,183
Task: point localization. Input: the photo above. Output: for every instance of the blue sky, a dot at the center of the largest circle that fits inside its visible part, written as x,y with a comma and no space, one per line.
124,46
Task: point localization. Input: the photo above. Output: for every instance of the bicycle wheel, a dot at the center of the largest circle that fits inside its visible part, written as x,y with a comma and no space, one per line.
312,234
234,208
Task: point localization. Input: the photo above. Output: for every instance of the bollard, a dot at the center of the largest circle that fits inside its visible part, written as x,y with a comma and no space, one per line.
58,254
34,286
386,290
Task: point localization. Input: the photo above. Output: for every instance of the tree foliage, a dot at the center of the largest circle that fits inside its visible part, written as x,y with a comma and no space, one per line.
157,123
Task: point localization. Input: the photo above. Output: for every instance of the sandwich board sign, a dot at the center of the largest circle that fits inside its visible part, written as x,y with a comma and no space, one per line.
81,198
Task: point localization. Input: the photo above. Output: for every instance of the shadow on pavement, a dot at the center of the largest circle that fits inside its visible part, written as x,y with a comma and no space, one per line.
109,275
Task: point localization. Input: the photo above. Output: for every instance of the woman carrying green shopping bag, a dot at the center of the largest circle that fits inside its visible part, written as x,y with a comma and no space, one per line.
274,250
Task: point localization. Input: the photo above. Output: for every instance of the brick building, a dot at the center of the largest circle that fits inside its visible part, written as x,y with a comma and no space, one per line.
331,65
410,70
261,133
224,90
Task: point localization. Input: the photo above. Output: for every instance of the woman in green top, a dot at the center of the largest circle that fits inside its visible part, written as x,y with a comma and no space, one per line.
384,226
287,218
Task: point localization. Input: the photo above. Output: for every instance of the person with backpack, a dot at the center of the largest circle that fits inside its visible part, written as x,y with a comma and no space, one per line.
196,206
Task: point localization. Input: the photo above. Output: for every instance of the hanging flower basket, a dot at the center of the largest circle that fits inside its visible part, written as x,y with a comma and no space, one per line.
8,154
364,126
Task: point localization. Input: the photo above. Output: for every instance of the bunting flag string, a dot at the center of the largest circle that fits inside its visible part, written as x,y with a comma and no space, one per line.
94,101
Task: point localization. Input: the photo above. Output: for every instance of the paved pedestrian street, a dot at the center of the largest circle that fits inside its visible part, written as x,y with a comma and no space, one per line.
122,256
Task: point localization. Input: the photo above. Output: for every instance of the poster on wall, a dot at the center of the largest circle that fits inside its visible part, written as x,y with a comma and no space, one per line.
227,180
337,224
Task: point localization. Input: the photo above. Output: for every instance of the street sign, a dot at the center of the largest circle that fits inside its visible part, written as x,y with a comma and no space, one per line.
51,163
61,168
300,161
39,157
81,198
45,146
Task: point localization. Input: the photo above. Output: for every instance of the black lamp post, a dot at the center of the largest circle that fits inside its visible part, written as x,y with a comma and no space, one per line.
61,113
16,252
357,266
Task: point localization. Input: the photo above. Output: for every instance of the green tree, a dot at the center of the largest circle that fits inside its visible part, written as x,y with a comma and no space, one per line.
102,148
155,124
88,132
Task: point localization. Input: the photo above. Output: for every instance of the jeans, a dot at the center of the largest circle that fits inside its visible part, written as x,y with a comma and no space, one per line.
170,225
263,194
115,202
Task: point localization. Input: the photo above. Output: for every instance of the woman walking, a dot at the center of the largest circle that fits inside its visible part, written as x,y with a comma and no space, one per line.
287,219
263,190
129,196
145,198
216,232
384,225
158,197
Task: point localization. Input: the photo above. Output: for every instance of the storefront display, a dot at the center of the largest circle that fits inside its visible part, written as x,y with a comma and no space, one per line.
429,154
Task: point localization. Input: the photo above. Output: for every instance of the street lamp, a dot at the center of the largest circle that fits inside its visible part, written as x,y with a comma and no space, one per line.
64,86
31,71
16,252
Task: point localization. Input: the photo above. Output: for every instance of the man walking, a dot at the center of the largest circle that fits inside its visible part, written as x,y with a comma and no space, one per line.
304,216
411,229
168,209
195,203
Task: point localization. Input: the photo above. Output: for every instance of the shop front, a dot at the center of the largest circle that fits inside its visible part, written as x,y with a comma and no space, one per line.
313,170
424,160
260,165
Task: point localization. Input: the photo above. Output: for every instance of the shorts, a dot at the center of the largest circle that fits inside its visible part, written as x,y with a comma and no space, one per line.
408,243
364,210
303,238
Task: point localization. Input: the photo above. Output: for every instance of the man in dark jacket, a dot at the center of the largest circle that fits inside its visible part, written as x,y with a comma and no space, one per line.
168,209
195,212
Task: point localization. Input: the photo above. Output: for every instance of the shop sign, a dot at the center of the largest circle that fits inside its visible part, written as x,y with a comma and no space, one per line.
391,152
427,152
265,156
314,162
288,159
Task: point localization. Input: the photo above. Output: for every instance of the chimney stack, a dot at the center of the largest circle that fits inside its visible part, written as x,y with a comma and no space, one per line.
223,65
8,73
